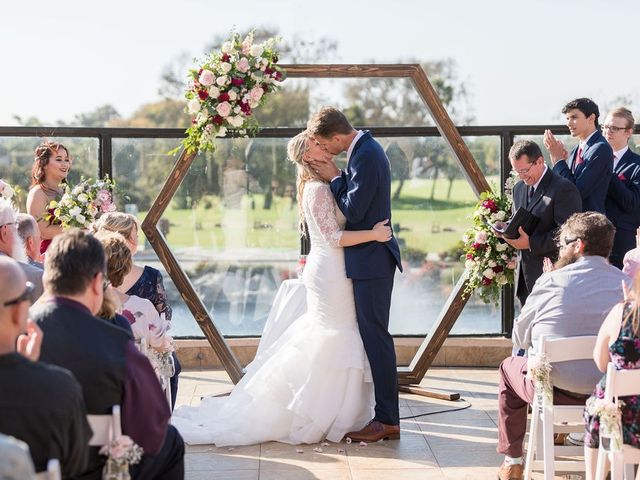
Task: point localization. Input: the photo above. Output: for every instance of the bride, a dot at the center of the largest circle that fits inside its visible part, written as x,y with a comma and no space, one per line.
314,381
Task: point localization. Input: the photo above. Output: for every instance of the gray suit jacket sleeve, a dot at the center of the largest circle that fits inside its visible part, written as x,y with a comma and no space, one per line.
34,275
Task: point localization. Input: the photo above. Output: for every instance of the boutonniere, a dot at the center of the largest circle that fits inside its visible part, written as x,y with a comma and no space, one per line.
622,177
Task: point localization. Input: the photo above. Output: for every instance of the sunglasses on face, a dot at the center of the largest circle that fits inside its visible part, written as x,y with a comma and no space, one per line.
26,295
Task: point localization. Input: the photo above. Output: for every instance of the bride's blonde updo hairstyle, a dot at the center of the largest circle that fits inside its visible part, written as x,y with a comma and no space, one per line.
296,148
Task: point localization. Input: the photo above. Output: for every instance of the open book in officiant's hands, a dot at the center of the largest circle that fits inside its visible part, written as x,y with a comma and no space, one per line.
522,218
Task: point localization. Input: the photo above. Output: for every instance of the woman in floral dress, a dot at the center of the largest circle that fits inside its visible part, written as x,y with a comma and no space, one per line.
618,342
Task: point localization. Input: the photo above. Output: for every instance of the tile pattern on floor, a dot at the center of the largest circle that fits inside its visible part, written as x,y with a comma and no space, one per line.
452,445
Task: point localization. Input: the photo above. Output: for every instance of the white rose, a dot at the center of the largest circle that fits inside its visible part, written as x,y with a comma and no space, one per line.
77,190
232,95
227,47
236,121
193,106
221,132
201,118
489,273
501,279
469,264
256,50
225,67
214,92
492,263
501,247
83,198
81,219
253,103
75,211
501,215
237,109
222,80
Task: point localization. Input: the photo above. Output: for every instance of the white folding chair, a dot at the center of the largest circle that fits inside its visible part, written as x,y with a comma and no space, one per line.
541,452
105,427
53,472
620,383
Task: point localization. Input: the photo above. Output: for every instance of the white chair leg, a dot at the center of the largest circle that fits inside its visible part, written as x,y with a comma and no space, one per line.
629,471
548,447
533,442
601,469
617,466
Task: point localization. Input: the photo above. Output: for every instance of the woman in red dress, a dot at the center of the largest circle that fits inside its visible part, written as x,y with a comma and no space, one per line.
48,175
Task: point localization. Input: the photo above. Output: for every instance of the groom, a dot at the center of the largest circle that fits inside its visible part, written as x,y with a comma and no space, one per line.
363,194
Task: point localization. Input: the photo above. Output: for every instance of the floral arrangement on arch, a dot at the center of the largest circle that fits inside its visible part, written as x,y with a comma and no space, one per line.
489,260
82,204
227,86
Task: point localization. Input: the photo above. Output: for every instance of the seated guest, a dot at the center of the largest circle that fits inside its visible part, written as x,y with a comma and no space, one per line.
144,282
618,342
29,233
108,311
571,300
41,404
623,198
15,460
10,245
631,261
142,316
590,164
103,357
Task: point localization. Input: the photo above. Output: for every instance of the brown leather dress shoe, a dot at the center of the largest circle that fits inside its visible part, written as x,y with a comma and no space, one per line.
375,431
510,472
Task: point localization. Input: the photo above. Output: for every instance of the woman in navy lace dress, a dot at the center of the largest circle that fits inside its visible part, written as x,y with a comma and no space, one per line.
142,281
618,342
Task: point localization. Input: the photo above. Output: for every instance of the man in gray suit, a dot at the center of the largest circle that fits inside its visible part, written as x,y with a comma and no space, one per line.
11,245
571,300
549,197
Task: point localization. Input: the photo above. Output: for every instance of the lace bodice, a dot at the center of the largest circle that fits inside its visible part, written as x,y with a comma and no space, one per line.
324,218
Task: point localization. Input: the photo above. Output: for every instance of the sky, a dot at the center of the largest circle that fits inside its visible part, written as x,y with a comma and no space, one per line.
520,60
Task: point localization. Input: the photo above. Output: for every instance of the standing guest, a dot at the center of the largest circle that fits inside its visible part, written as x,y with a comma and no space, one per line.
623,199
30,235
51,166
11,246
590,164
103,357
548,196
142,281
42,404
571,300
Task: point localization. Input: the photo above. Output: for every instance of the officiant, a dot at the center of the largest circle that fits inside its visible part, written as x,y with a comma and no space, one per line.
549,197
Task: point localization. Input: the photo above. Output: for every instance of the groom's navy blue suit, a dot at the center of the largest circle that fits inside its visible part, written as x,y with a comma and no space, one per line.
363,194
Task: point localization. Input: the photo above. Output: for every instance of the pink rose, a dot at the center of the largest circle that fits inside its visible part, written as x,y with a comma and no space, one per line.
512,265
124,440
224,109
242,65
256,93
481,237
206,78
117,451
103,196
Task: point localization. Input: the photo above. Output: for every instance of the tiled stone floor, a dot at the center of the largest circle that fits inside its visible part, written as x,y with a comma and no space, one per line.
454,445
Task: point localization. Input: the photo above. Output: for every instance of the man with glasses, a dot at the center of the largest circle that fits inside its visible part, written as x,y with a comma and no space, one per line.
103,356
11,245
589,166
571,300
549,197
623,198
41,404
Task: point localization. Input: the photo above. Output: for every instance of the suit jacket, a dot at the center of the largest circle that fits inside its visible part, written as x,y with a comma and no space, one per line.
34,275
593,175
555,200
623,205
363,194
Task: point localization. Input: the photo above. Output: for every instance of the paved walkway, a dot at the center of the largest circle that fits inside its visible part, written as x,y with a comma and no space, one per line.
454,445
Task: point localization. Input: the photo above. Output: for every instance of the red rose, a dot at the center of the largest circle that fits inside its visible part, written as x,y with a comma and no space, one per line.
268,71
278,76
199,72
246,109
486,281
265,87
469,256
203,94
223,97
225,57
498,268
478,246
217,119
237,81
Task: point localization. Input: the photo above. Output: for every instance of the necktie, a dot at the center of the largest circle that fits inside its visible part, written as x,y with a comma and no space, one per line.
615,161
579,159
530,192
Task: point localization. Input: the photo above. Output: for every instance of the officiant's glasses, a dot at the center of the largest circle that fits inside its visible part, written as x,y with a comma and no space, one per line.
26,295
566,241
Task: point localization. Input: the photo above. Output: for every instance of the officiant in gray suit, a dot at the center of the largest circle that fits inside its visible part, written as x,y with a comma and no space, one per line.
549,197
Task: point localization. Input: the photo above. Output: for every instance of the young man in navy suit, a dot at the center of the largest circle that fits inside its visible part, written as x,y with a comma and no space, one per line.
363,194
623,198
589,166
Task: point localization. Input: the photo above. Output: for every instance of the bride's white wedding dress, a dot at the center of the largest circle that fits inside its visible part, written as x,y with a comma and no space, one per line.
313,382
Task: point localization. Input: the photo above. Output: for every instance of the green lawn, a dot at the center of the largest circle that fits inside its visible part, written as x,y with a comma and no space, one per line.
425,224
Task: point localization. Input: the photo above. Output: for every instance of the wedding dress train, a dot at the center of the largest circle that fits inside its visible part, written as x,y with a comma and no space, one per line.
314,381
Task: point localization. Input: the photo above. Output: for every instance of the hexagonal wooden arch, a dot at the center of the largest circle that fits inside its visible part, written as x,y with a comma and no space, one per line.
414,373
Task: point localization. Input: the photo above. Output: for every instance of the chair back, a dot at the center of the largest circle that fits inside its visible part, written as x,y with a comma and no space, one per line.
568,348
53,472
105,427
621,383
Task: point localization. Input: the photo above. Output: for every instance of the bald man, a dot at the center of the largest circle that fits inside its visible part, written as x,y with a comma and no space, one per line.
43,404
